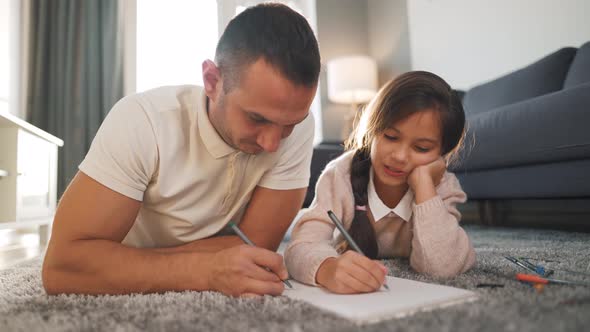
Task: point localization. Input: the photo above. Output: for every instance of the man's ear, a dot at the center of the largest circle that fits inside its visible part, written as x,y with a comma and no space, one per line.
211,79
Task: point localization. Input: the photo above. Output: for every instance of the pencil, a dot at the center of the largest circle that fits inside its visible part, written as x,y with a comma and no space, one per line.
519,263
244,238
347,236
529,266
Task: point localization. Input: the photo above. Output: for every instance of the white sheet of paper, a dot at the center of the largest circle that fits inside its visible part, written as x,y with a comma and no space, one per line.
404,298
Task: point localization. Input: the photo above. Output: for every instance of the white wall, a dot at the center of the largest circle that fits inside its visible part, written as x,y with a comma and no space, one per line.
389,43
468,42
378,28
342,29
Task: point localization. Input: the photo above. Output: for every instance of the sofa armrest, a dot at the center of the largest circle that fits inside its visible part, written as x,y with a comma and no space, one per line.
548,128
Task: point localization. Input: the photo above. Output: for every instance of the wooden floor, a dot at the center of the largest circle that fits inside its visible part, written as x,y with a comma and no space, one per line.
19,245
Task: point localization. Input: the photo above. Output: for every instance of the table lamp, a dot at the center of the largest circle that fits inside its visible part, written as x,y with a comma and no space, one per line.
352,80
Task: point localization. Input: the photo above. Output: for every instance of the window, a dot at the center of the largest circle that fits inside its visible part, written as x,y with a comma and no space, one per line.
246,3
11,64
174,37
4,53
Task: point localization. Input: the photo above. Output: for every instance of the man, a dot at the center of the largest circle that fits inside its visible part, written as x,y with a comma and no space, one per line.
171,167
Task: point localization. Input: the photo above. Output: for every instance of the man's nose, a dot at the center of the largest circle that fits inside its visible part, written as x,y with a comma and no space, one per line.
270,138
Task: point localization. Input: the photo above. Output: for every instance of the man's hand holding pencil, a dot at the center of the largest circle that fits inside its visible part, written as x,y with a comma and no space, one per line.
241,271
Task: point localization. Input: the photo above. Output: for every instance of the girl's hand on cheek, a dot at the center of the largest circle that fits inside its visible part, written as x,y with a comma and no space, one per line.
431,172
437,169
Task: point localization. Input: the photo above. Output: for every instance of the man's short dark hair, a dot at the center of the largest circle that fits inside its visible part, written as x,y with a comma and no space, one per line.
274,32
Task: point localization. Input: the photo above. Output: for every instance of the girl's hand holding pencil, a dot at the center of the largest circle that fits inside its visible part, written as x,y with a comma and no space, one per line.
351,273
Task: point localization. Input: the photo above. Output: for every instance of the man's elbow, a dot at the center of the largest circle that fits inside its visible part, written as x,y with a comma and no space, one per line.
50,280
52,275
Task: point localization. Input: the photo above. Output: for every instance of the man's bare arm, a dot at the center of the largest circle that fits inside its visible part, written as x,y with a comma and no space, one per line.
85,254
269,215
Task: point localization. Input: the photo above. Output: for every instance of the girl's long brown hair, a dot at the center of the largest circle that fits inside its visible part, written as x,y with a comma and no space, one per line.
409,93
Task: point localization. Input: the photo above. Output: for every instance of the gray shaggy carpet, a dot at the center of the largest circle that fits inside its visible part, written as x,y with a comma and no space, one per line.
517,306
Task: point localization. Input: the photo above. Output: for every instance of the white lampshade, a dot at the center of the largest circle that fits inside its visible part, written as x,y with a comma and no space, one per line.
352,79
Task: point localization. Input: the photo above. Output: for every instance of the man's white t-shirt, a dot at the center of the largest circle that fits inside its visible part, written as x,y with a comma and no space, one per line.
159,147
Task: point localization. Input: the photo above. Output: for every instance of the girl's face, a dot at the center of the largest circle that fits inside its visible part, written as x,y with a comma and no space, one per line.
408,143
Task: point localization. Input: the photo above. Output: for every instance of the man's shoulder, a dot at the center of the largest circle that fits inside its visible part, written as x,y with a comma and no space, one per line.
168,98
167,109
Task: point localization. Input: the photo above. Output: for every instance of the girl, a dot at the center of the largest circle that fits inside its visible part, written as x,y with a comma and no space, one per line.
391,191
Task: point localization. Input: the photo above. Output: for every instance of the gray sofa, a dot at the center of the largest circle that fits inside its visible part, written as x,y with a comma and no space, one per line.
529,132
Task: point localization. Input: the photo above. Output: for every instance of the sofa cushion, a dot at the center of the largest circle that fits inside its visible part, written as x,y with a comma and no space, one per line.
579,72
549,128
559,179
544,76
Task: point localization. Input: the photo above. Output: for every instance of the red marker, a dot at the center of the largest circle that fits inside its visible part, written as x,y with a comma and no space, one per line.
540,280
